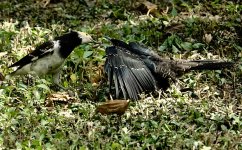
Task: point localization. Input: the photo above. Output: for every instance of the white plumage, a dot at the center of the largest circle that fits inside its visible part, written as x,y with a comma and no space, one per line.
49,57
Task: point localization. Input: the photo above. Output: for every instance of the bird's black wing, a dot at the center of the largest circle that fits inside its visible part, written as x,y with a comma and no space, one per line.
141,50
40,51
137,48
128,72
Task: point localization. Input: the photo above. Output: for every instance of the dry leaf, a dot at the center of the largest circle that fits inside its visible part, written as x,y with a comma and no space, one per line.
173,28
208,38
148,7
61,97
113,107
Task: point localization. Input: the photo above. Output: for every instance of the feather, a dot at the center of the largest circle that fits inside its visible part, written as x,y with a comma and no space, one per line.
40,51
125,68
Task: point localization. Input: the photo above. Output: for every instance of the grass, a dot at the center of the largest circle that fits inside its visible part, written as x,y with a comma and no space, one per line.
207,118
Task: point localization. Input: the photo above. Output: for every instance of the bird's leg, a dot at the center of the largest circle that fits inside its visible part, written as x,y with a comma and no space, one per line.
159,92
30,80
56,78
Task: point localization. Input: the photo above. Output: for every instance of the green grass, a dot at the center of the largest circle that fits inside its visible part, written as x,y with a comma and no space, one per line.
208,118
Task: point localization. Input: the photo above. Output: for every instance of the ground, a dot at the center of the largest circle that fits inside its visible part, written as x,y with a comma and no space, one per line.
33,115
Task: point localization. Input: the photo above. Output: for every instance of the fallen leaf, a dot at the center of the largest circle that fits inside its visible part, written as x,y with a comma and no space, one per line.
208,38
60,97
113,107
148,7
173,28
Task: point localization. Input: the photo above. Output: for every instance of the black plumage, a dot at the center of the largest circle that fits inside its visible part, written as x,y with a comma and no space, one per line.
48,57
134,68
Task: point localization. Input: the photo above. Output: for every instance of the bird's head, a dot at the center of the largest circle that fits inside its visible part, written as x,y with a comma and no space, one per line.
86,38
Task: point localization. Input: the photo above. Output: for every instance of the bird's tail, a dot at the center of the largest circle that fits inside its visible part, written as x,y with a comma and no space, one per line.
205,65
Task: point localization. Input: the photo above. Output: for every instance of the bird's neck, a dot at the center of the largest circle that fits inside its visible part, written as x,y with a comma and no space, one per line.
66,48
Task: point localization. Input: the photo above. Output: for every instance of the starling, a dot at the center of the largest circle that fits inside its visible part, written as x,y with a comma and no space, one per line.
48,57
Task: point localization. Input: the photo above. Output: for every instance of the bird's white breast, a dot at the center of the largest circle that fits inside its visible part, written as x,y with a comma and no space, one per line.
50,63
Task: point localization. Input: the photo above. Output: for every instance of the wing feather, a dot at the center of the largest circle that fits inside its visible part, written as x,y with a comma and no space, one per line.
132,75
40,51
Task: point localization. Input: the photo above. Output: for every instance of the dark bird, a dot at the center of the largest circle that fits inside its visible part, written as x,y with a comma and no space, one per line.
135,69
48,57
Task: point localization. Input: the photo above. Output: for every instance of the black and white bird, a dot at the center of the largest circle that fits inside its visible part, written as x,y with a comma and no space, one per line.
135,69
49,57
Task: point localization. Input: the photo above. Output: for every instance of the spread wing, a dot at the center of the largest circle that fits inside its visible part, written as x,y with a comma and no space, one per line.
128,71
143,51
40,51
